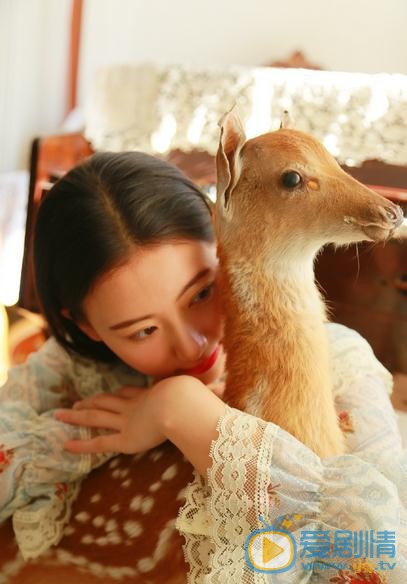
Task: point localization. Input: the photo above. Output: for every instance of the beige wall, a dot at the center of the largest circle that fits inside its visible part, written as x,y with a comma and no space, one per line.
346,35
34,36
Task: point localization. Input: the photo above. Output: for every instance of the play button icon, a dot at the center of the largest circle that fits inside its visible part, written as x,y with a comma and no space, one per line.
270,550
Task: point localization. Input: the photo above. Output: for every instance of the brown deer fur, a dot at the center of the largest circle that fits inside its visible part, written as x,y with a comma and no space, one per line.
268,237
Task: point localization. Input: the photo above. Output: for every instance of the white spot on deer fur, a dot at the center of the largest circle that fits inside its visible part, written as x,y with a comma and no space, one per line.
126,483
145,564
116,573
169,473
124,473
102,541
116,473
154,487
96,498
64,557
120,573
96,569
114,538
163,539
115,508
78,560
11,568
147,505
133,528
135,503
113,463
110,572
88,539
98,521
181,494
156,455
69,530
82,517
111,525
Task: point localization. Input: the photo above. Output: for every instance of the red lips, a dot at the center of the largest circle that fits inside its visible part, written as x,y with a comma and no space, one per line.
204,365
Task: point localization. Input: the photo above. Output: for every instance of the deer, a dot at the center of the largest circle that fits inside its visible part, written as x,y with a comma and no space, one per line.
281,198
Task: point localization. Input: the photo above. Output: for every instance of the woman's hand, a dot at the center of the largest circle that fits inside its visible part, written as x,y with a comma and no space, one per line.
181,409
130,413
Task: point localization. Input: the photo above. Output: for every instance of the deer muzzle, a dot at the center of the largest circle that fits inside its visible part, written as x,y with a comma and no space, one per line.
379,221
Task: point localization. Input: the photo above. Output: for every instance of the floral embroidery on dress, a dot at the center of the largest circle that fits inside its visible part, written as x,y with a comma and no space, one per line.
61,490
274,499
345,421
6,456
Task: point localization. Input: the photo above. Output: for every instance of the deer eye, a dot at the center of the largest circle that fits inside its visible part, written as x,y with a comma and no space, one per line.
291,179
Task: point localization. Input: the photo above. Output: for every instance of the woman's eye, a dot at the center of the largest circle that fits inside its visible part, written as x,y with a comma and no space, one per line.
203,294
143,334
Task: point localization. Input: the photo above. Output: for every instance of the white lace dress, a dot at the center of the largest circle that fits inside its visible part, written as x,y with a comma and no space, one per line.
258,469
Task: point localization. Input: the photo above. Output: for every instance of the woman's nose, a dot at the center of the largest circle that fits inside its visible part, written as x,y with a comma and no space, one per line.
190,346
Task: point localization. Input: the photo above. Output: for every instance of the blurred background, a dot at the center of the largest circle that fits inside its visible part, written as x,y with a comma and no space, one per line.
36,47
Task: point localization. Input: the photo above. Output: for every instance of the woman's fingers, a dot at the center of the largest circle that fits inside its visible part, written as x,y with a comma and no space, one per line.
99,444
102,401
129,391
91,418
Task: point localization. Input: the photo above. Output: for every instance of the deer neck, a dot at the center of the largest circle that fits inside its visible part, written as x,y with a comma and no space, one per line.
275,340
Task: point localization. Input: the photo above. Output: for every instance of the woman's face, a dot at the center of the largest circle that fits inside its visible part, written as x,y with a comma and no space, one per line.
160,312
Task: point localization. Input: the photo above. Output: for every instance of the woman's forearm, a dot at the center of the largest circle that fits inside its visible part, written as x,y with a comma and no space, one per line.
188,418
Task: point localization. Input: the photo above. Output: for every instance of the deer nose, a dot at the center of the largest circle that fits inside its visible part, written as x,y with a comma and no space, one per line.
393,214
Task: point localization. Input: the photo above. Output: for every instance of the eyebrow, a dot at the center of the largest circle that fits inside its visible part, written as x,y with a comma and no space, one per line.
125,323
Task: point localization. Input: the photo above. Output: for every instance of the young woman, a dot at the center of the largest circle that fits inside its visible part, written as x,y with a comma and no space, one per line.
126,272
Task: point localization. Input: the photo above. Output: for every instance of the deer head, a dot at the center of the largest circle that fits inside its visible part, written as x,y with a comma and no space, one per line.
285,187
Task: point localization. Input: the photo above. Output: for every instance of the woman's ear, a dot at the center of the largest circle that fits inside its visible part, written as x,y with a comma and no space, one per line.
84,326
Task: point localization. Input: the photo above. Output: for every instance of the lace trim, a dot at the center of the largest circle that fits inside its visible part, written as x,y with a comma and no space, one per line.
36,530
218,516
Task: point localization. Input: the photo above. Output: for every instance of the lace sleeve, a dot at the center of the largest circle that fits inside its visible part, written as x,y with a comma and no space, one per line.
259,470
218,515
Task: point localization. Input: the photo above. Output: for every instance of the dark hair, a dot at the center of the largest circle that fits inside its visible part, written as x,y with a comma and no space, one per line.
92,219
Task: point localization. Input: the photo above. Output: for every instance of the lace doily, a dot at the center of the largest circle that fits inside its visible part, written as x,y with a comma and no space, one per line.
158,109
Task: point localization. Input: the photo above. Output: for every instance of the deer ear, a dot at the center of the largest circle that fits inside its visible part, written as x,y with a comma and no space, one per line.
286,120
228,166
